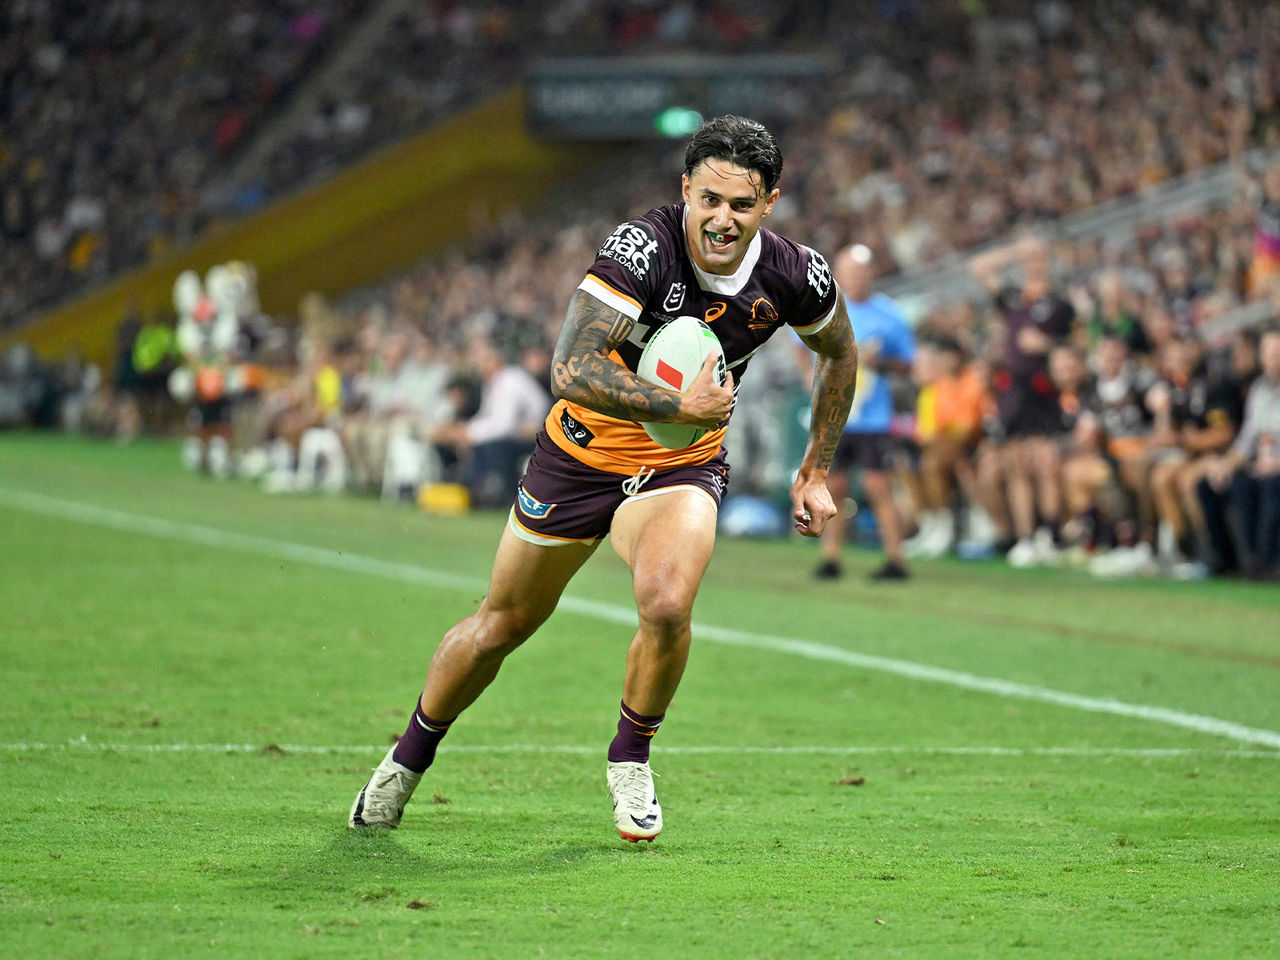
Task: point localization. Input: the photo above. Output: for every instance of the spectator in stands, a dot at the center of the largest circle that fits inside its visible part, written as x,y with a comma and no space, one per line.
153,358
496,443
1113,315
1034,319
118,120
1264,267
950,408
927,150
886,348
1180,290
308,453
1196,418
20,388
402,392
1120,406
1240,491
76,383
1085,470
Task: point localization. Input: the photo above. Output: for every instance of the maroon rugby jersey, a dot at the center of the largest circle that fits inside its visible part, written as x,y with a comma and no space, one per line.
645,272
1051,314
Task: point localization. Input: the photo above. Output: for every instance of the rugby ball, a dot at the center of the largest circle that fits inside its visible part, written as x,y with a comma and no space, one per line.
672,358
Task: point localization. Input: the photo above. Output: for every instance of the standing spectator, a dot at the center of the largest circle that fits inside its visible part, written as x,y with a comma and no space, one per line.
1034,320
1244,484
152,359
885,347
1264,267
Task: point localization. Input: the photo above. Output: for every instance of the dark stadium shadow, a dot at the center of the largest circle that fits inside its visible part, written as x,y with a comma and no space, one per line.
420,868
457,854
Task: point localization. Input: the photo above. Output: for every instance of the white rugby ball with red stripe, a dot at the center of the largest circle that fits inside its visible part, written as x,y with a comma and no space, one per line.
672,358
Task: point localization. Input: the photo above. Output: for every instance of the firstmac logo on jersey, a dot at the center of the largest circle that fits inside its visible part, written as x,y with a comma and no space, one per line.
632,246
818,274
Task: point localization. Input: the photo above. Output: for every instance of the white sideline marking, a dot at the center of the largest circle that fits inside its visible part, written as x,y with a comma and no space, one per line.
626,616
93,746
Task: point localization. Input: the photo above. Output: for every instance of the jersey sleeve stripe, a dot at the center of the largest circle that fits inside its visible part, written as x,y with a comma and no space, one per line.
814,327
610,297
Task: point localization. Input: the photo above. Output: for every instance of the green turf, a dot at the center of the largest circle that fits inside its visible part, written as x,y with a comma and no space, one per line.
189,701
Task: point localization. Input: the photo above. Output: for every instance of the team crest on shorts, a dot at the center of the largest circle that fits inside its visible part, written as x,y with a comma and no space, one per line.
531,506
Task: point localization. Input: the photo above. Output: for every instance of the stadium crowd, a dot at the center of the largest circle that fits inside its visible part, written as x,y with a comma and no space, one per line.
118,116
949,128
121,121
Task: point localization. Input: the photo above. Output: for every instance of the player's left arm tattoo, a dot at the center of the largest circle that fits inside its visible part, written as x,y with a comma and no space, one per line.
834,380
582,370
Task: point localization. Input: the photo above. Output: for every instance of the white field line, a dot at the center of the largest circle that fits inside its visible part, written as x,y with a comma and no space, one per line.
624,615
94,746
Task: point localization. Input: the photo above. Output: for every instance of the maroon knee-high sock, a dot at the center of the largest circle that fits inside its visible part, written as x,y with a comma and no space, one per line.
417,748
635,733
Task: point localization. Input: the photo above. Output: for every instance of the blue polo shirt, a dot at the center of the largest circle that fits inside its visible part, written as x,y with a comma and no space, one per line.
877,320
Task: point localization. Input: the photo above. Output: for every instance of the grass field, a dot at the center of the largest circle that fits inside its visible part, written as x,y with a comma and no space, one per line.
980,762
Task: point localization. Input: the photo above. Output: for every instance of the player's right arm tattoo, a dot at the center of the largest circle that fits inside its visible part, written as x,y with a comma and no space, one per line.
834,380
583,372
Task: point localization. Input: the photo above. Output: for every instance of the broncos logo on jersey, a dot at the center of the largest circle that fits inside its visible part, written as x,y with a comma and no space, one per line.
763,314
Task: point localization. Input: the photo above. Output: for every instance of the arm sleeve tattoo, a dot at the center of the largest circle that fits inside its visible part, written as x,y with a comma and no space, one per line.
834,379
582,370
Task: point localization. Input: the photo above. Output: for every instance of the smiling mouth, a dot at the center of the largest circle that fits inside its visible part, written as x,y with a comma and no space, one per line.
718,241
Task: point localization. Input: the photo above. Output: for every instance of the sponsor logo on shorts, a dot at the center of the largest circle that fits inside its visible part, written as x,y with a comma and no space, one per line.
574,431
531,506
632,246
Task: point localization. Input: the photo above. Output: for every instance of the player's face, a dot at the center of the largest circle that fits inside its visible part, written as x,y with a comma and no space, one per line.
726,207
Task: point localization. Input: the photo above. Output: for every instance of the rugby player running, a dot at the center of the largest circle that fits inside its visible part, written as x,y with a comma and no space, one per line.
595,472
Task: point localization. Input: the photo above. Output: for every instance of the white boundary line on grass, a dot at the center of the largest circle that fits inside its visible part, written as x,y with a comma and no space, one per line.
613,613
94,746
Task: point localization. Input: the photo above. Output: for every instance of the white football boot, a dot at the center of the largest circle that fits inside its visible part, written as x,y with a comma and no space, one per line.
1022,554
381,802
941,536
913,547
636,812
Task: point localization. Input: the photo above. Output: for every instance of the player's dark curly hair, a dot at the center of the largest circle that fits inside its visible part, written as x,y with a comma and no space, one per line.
739,141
